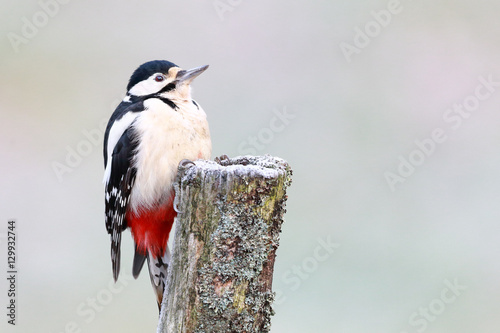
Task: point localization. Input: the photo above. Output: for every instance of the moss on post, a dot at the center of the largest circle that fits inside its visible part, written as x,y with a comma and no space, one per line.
225,242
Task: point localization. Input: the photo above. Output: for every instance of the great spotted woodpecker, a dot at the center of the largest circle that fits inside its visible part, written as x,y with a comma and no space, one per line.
155,127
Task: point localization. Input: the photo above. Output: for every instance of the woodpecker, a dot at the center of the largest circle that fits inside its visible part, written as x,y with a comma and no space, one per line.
154,128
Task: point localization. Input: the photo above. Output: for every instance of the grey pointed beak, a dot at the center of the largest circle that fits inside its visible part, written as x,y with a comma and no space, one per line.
186,76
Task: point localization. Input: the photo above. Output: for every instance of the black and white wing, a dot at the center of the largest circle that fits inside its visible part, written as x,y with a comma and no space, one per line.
119,177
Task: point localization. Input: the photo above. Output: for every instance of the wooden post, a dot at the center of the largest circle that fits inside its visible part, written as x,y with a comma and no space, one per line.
225,242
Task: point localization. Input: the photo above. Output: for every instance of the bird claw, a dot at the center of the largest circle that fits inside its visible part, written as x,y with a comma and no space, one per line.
244,161
221,159
176,205
185,162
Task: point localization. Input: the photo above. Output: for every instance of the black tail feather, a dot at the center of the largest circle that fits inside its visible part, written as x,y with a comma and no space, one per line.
139,260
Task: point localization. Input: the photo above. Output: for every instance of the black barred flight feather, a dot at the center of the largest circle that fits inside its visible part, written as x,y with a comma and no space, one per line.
118,190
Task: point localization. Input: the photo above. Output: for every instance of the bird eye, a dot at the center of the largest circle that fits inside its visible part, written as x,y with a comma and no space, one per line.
159,78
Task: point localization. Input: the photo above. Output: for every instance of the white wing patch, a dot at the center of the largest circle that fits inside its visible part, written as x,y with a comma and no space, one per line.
116,132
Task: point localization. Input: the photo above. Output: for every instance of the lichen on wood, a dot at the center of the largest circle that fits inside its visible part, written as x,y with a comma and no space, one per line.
225,243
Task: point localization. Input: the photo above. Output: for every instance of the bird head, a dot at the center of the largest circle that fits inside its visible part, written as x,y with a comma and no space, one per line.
161,78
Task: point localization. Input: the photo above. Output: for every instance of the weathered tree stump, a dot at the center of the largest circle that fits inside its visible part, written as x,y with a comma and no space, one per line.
226,237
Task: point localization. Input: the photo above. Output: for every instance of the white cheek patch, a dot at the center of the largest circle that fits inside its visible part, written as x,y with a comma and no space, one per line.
149,86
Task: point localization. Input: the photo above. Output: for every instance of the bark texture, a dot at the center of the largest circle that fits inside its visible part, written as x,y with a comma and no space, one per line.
225,242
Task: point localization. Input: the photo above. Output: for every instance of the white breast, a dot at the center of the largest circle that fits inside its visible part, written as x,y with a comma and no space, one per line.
166,136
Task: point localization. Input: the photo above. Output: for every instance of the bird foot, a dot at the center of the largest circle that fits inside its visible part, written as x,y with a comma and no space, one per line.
222,160
185,162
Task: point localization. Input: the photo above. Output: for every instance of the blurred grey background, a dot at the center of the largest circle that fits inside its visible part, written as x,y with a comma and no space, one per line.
388,112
